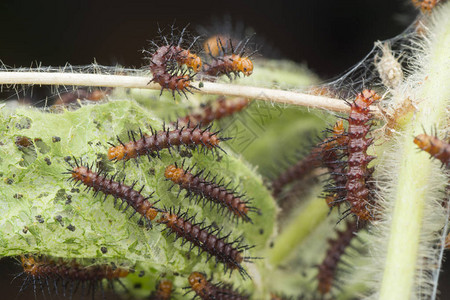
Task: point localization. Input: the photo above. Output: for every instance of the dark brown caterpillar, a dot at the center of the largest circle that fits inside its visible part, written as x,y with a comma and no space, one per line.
207,290
359,124
70,274
437,148
206,240
91,179
217,110
337,247
163,290
197,186
165,139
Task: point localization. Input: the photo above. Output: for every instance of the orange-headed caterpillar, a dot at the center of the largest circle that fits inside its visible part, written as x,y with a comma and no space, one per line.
165,139
336,248
230,60
207,290
437,148
42,269
163,291
207,240
216,110
209,189
108,186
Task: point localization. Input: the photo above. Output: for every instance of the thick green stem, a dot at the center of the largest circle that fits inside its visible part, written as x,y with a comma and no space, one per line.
415,168
312,215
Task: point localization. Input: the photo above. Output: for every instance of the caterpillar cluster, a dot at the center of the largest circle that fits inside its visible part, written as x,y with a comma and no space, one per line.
177,223
207,290
167,61
200,235
150,145
209,190
437,148
42,270
349,179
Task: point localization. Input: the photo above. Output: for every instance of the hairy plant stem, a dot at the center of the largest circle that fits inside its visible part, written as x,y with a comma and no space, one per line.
272,95
414,169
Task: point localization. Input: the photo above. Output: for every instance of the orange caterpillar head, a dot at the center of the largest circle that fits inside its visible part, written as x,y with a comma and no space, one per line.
116,273
81,173
168,218
424,142
173,173
193,61
366,98
242,64
197,281
117,152
29,265
165,287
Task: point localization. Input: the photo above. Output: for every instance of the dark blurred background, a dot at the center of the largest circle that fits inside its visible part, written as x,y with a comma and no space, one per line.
329,35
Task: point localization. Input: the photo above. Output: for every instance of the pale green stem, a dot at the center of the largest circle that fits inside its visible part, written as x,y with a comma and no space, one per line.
415,171
300,228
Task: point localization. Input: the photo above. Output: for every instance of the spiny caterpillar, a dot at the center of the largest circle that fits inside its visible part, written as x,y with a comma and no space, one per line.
296,172
206,240
166,139
41,269
323,154
162,62
216,110
437,148
327,270
91,179
209,189
207,290
359,124
230,60
335,192
163,290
